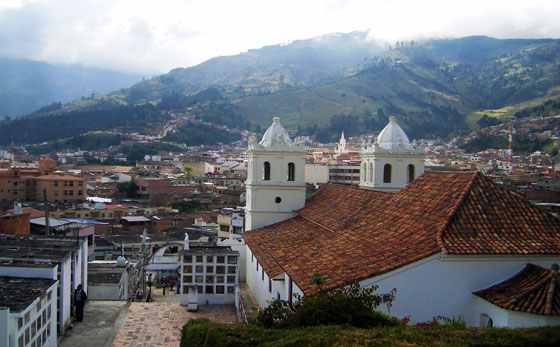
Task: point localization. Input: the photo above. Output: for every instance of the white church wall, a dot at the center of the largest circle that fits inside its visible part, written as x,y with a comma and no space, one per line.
257,282
482,307
238,245
443,285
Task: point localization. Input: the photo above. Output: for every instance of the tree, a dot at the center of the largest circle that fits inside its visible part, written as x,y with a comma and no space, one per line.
188,171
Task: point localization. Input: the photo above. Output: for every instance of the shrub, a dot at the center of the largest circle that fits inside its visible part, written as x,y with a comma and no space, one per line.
351,305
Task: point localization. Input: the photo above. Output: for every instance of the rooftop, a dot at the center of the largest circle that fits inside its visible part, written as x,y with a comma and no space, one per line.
347,233
18,293
533,290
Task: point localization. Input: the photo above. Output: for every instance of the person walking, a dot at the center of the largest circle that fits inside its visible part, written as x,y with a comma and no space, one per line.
80,298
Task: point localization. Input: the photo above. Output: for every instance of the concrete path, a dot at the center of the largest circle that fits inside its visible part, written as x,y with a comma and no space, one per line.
102,321
157,323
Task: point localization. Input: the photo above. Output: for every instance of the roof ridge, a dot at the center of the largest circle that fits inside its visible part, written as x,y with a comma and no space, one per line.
550,293
460,201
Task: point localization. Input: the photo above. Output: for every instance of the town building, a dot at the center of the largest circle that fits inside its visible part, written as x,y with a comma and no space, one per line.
59,258
209,274
443,236
27,312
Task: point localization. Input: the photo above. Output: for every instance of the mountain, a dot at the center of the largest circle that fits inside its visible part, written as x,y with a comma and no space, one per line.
269,69
431,87
27,85
332,83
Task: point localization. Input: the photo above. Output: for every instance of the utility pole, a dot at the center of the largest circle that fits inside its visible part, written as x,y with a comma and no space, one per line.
510,150
46,206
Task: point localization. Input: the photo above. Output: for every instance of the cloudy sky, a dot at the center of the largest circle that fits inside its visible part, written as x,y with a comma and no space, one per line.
154,36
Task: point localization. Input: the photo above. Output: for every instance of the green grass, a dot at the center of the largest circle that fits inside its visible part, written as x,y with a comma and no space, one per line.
206,333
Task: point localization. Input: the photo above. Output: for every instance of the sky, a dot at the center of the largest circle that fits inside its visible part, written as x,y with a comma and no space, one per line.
151,37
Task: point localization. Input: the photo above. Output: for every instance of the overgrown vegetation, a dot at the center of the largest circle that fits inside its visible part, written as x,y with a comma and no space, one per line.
350,305
205,333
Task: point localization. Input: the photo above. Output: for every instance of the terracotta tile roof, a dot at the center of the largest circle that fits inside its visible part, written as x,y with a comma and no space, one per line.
533,290
347,233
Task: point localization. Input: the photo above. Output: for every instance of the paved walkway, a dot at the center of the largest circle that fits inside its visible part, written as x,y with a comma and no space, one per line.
102,321
159,323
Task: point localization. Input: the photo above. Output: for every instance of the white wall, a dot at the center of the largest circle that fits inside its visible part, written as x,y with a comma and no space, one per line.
512,319
66,291
105,291
316,174
443,284
237,245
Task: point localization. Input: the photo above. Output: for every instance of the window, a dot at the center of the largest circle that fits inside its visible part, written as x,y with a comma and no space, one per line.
81,193
364,172
230,290
266,171
65,183
187,259
209,279
269,285
232,260
219,279
71,193
187,279
220,269
220,289
20,323
291,172
65,193
198,279
56,193
71,183
209,290
231,279
210,269
370,174
199,259
210,259
232,270
187,269
387,173
199,269
410,173
56,183
262,275
80,183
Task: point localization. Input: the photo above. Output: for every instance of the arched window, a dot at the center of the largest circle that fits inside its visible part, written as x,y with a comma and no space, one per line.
291,172
410,173
387,173
266,171
363,173
370,175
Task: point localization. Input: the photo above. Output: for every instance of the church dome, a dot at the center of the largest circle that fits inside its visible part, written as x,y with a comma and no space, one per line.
392,135
276,136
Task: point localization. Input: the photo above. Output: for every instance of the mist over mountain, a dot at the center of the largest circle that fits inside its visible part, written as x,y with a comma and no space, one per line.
27,85
331,83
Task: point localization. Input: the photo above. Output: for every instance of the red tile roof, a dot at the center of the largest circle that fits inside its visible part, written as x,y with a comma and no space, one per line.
346,233
533,290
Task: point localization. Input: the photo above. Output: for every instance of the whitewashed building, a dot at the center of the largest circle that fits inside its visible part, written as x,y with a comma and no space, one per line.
209,274
27,312
441,238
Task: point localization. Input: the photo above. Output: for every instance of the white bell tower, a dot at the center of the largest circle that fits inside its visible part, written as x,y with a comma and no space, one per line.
391,162
275,177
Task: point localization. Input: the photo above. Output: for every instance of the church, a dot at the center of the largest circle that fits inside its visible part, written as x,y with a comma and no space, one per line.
451,243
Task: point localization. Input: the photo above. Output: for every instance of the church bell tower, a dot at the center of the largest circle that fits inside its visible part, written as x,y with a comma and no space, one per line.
275,177
391,162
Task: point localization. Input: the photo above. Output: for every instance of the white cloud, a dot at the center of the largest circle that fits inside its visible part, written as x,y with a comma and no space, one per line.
155,36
